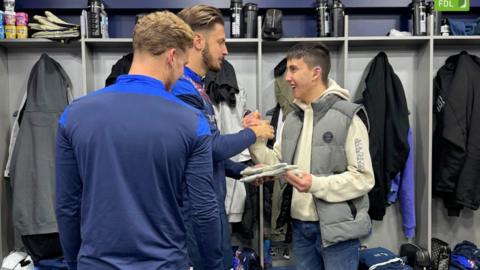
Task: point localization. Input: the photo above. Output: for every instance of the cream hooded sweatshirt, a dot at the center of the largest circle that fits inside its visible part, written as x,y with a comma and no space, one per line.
356,181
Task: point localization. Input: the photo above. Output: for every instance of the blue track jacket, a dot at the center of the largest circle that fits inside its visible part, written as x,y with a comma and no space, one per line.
188,89
125,156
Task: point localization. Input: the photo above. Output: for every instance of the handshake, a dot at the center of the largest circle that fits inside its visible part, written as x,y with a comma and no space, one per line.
260,127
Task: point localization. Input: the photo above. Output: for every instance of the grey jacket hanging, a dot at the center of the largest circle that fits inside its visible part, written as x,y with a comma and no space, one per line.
32,170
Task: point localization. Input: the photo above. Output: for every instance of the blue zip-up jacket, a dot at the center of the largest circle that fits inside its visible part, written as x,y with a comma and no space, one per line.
125,156
403,188
223,146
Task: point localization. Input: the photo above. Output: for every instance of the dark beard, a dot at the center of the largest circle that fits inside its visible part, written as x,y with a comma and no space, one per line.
207,59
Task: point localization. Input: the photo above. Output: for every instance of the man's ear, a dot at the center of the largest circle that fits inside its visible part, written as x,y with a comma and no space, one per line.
317,73
171,54
198,41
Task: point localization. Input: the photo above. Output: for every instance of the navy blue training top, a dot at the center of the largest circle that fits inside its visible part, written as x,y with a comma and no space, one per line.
124,157
191,89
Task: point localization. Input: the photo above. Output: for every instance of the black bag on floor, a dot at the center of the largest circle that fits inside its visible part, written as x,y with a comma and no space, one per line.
440,254
43,246
250,259
417,257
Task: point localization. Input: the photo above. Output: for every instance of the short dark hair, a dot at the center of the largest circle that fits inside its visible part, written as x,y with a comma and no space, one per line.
314,54
201,17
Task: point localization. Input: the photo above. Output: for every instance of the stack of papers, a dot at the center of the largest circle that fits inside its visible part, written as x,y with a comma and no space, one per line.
252,173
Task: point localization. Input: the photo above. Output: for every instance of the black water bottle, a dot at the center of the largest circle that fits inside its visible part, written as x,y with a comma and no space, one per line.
338,19
419,18
237,19
323,18
93,16
437,18
250,14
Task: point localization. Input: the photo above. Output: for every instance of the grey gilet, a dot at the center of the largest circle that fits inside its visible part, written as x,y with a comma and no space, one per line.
332,118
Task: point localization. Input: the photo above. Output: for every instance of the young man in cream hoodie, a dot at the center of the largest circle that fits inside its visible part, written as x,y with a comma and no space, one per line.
326,138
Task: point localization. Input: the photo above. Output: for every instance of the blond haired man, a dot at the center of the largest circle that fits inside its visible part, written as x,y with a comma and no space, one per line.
126,154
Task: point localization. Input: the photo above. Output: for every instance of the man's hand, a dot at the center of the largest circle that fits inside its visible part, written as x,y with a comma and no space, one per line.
302,181
252,119
263,130
260,127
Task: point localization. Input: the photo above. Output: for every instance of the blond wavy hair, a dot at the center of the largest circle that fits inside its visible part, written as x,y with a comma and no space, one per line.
161,30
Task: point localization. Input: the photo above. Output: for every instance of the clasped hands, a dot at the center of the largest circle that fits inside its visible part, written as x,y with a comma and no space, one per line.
260,127
302,181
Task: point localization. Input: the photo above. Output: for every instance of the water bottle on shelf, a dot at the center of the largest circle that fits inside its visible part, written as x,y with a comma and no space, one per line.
437,18
104,22
323,18
338,19
419,18
250,14
93,15
237,19
445,28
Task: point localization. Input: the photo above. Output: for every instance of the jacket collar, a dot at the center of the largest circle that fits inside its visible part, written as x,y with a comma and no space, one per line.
127,78
320,105
188,72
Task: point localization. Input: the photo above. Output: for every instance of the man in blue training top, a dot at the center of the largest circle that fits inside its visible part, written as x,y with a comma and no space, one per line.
207,53
125,156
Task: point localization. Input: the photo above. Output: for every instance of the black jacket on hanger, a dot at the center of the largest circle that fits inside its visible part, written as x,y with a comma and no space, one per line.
456,164
121,67
222,85
384,100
